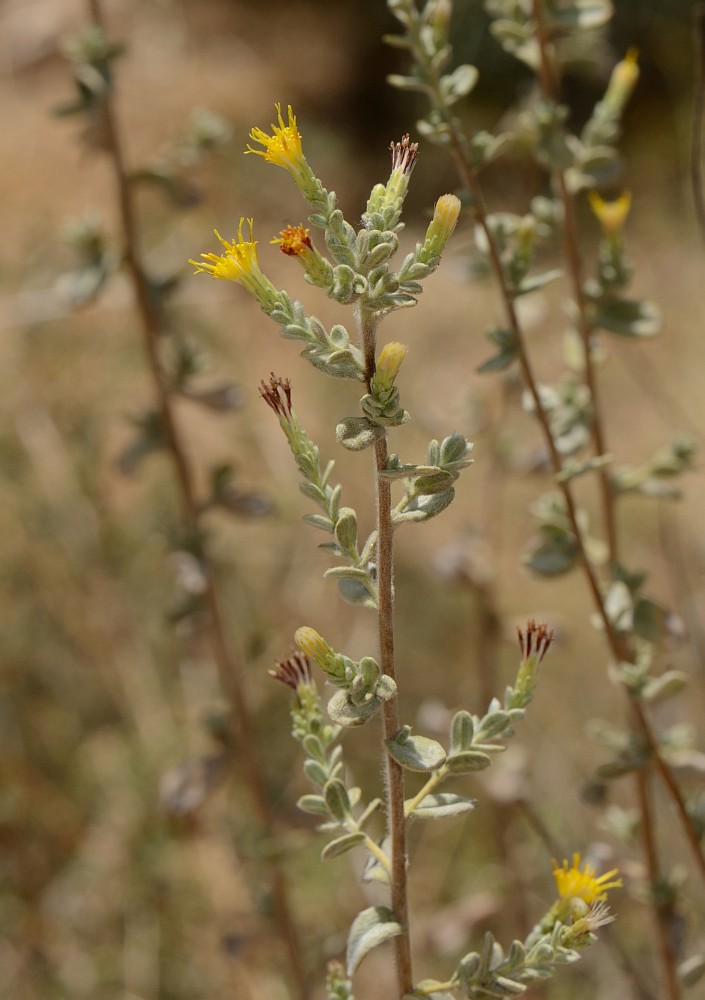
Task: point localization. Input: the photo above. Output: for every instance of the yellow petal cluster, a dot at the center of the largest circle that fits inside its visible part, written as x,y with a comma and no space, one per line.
574,883
283,146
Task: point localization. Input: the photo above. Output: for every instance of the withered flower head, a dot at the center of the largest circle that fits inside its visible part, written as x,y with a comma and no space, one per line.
294,671
535,640
277,394
404,154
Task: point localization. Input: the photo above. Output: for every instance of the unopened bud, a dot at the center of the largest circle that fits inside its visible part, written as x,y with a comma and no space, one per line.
388,365
622,82
442,227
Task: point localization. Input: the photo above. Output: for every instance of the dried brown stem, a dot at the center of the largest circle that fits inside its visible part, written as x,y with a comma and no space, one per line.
395,775
228,662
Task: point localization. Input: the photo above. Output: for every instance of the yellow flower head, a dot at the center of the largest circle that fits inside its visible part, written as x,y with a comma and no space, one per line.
574,883
239,263
283,147
611,214
294,241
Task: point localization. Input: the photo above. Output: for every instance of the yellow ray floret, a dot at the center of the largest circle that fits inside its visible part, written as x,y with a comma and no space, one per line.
283,146
238,262
572,883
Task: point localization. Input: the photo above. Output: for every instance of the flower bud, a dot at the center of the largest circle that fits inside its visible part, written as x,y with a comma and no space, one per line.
388,365
315,646
622,82
442,227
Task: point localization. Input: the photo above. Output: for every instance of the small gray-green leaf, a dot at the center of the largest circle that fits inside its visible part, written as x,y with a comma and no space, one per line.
315,804
357,433
443,804
344,713
337,800
354,591
468,760
341,845
417,753
370,928
462,729
346,529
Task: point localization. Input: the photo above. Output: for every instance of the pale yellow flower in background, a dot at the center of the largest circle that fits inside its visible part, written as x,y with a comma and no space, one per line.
611,214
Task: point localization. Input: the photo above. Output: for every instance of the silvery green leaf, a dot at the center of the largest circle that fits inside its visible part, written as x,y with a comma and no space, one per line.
319,521
346,573
315,772
422,508
315,804
627,317
443,804
416,753
343,712
337,800
459,83
462,729
468,760
356,592
341,845
356,433
369,929
436,483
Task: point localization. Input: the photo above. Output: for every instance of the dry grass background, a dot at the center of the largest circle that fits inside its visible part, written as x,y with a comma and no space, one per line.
102,896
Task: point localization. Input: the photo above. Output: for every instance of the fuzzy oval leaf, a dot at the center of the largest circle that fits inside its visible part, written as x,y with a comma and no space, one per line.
315,804
341,845
417,753
370,928
356,433
443,804
459,83
354,591
344,713
468,760
462,730
337,800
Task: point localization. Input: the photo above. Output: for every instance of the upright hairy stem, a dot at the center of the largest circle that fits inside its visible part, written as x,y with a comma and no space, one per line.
229,662
396,820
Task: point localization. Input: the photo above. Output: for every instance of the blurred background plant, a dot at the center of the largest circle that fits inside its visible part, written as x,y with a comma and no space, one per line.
107,892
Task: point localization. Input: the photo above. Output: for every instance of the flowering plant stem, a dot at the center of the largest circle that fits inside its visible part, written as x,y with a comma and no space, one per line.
396,819
228,662
617,643
548,81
